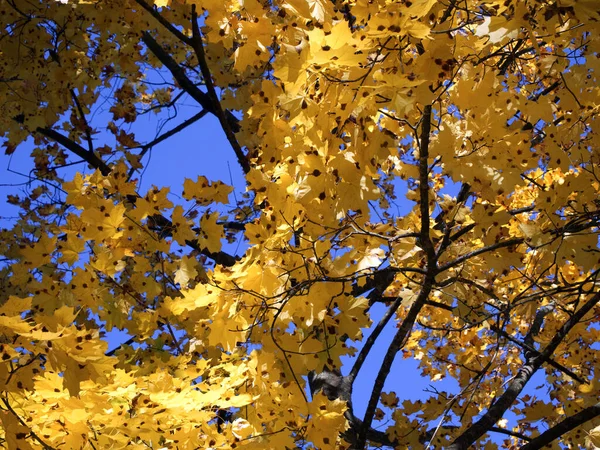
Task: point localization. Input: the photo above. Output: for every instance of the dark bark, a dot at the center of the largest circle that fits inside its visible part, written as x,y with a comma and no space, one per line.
570,423
506,400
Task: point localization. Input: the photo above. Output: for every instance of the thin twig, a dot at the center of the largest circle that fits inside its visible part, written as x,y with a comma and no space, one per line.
87,128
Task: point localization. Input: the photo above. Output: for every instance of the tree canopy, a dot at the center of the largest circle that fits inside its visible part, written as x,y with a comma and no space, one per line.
435,160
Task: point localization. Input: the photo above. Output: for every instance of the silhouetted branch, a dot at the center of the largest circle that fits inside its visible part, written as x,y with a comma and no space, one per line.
428,282
489,248
570,423
158,223
182,79
497,410
424,239
533,352
124,344
87,127
366,348
183,125
22,422
164,22
198,46
69,144
397,342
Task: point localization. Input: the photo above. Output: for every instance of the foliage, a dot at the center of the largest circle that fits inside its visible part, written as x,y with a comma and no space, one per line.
436,158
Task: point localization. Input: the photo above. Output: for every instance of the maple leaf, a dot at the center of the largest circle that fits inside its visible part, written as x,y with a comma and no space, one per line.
371,259
327,419
40,252
205,192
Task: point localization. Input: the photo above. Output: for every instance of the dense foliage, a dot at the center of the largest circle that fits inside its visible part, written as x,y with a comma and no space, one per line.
436,158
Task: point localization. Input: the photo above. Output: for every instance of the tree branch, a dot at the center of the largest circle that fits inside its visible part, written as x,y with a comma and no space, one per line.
366,348
489,248
396,344
570,423
89,157
22,422
164,22
381,279
183,81
532,351
497,410
168,134
198,46
186,123
86,126
124,344
429,280
160,221
424,238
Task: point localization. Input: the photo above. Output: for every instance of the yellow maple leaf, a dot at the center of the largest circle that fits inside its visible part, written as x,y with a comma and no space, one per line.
40,252
210,232
205,192
327,420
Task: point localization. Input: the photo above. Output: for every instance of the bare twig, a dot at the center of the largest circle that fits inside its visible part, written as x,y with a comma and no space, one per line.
87,128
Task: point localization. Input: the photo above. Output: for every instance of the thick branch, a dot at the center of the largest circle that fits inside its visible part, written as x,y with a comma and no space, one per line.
160,221
198,46
535,328
448,11
424,241
366,348
381,279
183,81
533,352
164,22
222,258
87,156
397,343
570,423
497,410
424,237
